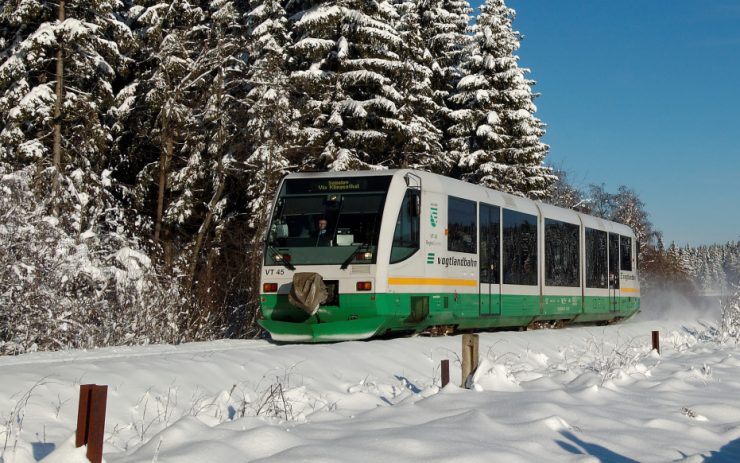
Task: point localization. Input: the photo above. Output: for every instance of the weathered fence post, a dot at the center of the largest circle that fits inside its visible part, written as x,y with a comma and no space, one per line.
91,420
445,372
656,341
470,357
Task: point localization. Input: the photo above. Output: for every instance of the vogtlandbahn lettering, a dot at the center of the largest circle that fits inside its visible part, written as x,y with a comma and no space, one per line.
457,262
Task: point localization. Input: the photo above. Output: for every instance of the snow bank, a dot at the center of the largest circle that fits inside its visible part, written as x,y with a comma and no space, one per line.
576,394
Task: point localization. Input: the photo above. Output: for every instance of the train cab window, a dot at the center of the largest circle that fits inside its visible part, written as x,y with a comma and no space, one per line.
520,248
462,226
406,235
562,261
596,259
625,251
327,220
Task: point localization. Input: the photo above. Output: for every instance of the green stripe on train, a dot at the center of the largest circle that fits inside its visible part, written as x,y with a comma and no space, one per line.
412,310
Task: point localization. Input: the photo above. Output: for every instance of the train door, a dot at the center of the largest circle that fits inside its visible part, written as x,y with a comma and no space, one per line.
490,255
613,272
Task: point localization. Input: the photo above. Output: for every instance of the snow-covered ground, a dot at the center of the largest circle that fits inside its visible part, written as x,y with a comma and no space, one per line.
587,394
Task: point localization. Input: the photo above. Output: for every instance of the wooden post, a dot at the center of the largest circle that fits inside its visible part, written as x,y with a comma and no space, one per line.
445,372
470,356
91,420
83,415
656,341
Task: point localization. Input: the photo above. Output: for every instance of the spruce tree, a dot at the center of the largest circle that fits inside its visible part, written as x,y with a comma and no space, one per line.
270,127
495,133
420,142
444,26
156,116
344,60
61,60
445,31
206,188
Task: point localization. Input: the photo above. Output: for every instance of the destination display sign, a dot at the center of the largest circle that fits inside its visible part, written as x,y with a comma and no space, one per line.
336,185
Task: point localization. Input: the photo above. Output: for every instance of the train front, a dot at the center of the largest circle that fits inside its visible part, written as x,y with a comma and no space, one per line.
318,278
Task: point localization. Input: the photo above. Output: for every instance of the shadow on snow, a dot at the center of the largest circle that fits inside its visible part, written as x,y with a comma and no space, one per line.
580,447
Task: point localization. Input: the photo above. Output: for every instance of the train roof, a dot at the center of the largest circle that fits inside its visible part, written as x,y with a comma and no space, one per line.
460,187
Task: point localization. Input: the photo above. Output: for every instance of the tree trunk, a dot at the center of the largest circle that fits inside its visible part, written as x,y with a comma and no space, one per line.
219,188
164,164
203,231
57,147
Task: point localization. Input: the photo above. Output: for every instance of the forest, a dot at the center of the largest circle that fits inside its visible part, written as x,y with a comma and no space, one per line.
141,143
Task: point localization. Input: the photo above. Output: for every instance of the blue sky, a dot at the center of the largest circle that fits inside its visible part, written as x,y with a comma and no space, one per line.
644,94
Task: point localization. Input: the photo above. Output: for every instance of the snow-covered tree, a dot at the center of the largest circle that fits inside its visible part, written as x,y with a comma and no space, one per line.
270,116
496,136
184,142
56,85
564,194
444,27
62,289
630,210
155,112
714,267
729,327
344,59
201,202
419,144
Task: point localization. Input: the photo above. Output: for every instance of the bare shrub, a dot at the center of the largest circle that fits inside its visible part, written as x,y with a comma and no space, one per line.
71,283
729,326
12,423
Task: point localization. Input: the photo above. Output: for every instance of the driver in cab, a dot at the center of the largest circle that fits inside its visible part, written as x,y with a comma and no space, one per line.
322,235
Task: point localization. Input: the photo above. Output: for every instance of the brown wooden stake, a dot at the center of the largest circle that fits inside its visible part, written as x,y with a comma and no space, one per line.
445,372
470,356
97,424
656,341
91,420
83,415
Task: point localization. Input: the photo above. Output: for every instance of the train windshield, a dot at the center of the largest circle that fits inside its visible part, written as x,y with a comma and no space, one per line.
321,221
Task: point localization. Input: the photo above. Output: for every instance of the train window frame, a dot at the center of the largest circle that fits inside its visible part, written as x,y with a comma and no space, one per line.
592,281
625,253
513,258
458,239
490,228
562,254
411,196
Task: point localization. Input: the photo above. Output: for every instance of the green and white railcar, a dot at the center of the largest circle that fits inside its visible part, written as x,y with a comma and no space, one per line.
409,251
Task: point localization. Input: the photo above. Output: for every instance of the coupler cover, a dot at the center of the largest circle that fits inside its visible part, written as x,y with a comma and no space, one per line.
308,291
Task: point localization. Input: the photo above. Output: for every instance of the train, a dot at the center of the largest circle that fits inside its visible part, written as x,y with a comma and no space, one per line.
362,254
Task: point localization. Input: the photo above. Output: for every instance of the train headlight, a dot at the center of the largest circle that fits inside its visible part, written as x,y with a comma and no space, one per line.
364,256
364,286
281,258
269,287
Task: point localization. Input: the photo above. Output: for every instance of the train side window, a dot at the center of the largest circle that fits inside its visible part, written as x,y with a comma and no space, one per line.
490,243
562,261
625,245
406,234
613,260
462,225
520,248
596,264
